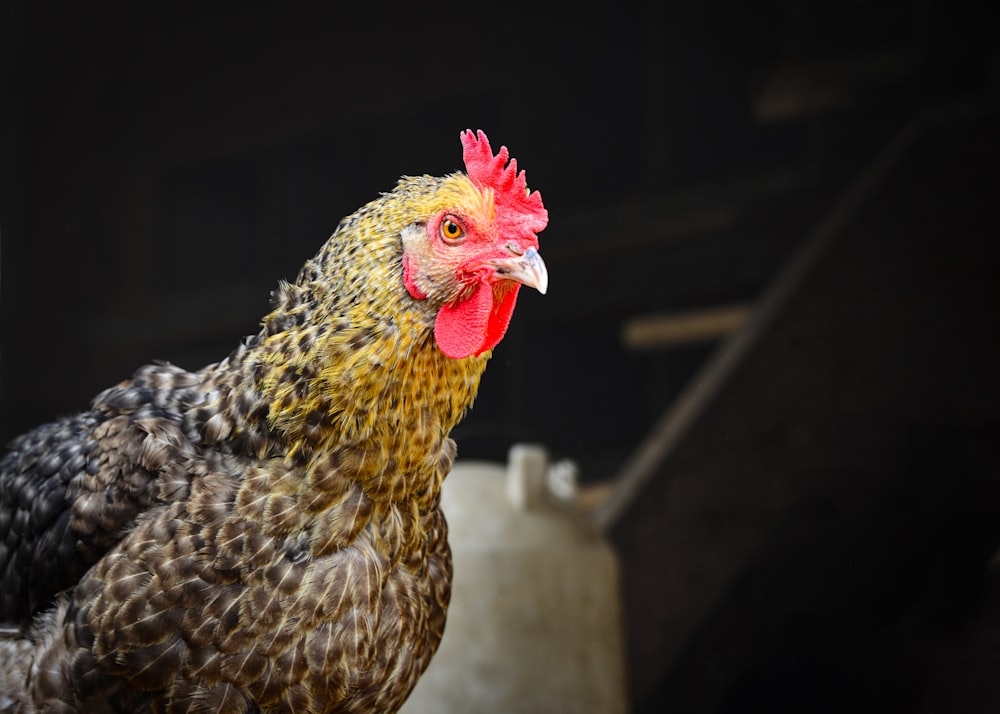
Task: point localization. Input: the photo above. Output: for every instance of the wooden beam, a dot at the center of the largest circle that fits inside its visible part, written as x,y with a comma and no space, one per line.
686,410
678,328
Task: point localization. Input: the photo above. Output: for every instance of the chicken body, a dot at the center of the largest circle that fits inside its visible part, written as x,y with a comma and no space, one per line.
265,534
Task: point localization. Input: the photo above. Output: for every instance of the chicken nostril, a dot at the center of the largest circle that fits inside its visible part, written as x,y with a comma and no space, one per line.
515,248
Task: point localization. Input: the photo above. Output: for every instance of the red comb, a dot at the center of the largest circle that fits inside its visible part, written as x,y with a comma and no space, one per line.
517,207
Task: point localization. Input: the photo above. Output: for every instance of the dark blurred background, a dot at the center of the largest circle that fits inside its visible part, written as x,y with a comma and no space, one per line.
820,537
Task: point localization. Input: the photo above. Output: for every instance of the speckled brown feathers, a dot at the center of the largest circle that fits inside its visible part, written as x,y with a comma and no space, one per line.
260,535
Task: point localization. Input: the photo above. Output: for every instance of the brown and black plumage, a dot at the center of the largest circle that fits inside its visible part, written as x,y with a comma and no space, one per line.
264,534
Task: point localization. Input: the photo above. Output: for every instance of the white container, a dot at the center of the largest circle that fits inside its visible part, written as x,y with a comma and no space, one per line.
535,622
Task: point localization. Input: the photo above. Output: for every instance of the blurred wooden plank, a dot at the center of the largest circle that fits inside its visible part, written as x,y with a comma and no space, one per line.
678,328
675,423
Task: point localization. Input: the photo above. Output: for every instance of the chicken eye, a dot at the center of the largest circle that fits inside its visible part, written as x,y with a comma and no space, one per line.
451,229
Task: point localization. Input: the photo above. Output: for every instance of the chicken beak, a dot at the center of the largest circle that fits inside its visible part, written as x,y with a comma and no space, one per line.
527,269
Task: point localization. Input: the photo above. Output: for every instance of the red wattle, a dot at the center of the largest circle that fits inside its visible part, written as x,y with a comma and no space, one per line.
496,328
475,324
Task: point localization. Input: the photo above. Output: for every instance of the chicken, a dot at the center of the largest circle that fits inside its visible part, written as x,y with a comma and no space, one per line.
264,534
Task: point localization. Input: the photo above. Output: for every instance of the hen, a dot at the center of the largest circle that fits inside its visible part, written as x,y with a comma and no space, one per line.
264,534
